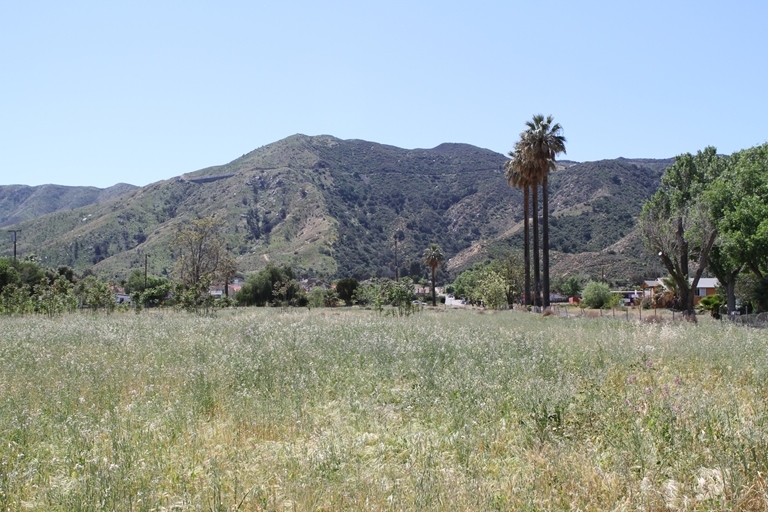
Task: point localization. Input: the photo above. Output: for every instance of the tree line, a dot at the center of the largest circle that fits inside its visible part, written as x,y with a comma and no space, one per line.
710,215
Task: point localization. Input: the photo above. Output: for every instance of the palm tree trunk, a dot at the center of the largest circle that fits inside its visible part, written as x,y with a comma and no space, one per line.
536,270
545,238
527,243
434,298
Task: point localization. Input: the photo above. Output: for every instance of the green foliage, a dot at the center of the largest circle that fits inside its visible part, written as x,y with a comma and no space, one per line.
9,275
316,297
740,204
370,293
201,253
399,294
288,292
678,222
26,288
156,292
94,295
495,283
711,303
432,257
492,289
195,299
259,287
596,295
570,286
330,298
465,285
753,292
346,288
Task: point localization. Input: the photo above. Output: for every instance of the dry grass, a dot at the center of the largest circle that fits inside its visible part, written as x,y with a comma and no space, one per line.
264,410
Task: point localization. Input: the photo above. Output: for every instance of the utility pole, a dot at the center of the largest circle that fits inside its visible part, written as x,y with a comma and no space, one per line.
146,256
397,270
13,233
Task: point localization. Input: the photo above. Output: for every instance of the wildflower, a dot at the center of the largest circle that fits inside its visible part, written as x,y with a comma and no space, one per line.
631,379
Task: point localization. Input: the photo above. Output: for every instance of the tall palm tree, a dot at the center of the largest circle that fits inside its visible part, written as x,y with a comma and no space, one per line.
516,177
433,256
540,143
515,171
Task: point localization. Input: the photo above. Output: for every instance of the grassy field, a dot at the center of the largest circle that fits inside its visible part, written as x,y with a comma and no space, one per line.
342,409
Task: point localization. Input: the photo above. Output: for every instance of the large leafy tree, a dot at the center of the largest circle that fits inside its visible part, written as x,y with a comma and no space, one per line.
346,289
678,224
432,258
202,257
741,199
739,202
534,157
259,287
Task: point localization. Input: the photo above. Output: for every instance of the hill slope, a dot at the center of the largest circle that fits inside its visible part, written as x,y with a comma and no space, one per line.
331,207
21,202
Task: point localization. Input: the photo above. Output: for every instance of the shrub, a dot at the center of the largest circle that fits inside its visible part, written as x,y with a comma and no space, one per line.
346,288
596,295
711,303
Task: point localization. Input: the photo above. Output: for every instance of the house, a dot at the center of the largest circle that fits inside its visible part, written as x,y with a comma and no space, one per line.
651,287
628,297
705,287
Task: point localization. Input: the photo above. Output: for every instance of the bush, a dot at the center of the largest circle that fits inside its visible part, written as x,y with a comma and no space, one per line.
711,303
346,288
259,288
596,295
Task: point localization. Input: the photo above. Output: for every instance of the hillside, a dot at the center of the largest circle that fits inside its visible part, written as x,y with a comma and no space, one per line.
331,207
21,202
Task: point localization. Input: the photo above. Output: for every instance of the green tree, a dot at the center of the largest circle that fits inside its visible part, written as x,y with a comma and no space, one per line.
9,276
201,254
509,268
400,295
677,221
571,286
739,202
346,288
259,287
155,293
287,292
94,294
465,283
492,289
596,295
371,293
315,297
432,258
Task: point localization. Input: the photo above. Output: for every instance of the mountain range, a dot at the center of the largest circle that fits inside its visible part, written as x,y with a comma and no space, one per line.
332,208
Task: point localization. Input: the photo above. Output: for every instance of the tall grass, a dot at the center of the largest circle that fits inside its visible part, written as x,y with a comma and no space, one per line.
331,409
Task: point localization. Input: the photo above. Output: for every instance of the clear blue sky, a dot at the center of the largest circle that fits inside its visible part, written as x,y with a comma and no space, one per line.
96,93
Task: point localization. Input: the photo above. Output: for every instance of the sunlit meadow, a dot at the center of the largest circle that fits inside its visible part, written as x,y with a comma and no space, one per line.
338,409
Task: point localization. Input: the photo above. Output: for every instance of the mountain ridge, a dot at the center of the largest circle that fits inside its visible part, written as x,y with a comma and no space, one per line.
330,208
